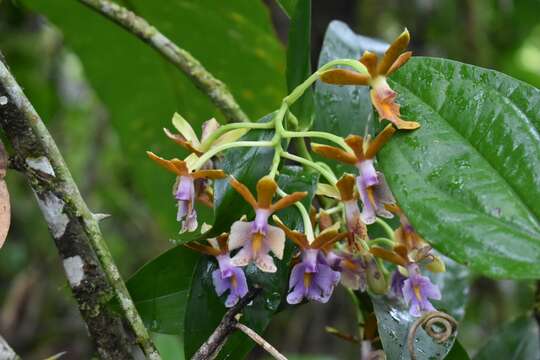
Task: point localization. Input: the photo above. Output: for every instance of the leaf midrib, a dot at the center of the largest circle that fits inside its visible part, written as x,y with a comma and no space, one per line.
499,175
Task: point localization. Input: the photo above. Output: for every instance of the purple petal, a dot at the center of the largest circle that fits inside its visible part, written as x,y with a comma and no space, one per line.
353,217
367,173
296,296
221,285
265,262
297,275
260,224
186,189
368,212
309,259
225,265
241,288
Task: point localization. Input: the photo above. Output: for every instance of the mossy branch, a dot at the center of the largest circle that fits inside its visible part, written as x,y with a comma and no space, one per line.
91,272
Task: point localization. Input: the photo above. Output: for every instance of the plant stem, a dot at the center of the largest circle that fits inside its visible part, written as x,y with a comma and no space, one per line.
213,152
308,226
331,178
389,231
382,242
226,128
211,347
90,269
216,90
262,343
319,134
358,313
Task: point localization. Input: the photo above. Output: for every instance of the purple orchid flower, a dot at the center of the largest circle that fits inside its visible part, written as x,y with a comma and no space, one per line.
352,269
312,279
373,189
185,194
229,278
257,238
396,286
417,289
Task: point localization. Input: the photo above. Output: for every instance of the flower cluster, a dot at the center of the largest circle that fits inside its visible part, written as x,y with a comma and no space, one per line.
329,250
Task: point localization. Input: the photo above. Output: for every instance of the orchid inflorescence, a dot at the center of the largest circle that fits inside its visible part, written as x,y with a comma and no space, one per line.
334,245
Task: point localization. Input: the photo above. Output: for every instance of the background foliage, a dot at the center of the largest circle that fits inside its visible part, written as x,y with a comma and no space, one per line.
106,96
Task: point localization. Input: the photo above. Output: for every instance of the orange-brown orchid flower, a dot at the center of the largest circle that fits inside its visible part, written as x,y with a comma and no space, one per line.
185,190
257,238
374,191
382,96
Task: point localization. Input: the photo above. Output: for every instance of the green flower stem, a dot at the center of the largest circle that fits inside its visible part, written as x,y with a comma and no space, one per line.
334,209
389,231
384,242
330,177
300,89
319,134
213,152
226,128
308,227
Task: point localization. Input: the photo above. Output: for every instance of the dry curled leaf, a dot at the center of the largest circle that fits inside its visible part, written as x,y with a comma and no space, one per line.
5,208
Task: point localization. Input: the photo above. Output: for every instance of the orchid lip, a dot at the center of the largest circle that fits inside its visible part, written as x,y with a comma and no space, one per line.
260,224
367,174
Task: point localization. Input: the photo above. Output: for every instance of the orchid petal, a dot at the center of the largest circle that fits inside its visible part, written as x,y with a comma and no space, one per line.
275,240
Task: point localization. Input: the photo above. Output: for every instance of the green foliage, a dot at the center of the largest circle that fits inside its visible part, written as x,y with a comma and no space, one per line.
469,178
160,290
205,309
394,320
299,61
141,91
288,6
457,353
518,340
453,176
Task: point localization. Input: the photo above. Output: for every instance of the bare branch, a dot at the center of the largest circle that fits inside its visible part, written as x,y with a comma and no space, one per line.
6,352
204,80
90,269
259,340
211,347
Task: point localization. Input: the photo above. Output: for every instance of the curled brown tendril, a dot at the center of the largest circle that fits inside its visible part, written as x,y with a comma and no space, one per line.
438,325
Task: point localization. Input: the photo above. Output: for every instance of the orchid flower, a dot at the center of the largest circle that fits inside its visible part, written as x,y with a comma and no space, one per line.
371,184
228,277
417,289
352,268
312,278
382,96
185,191
353,217
257,238
187,138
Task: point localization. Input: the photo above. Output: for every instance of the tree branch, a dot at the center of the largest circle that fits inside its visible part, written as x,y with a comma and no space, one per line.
204,80
6,352
90,269
211,347
260,341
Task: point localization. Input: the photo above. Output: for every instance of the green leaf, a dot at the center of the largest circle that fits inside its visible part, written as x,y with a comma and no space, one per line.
469,178
394,320
161,287
288,6
205,309
299,62
141,91
517,340
343,110
457,353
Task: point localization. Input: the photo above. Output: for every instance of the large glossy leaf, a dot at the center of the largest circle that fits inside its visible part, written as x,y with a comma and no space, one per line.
517,340
394,320
299,61
469,178
458,352
141,91
161,287
205,309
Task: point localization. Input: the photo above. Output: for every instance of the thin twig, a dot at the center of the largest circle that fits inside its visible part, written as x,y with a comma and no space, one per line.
211,347
259,340
215,89
90,269
6,352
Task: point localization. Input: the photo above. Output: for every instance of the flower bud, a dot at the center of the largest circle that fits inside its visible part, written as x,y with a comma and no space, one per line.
436,265
375,276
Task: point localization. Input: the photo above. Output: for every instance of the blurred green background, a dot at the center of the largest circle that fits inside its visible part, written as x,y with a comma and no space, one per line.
105,96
